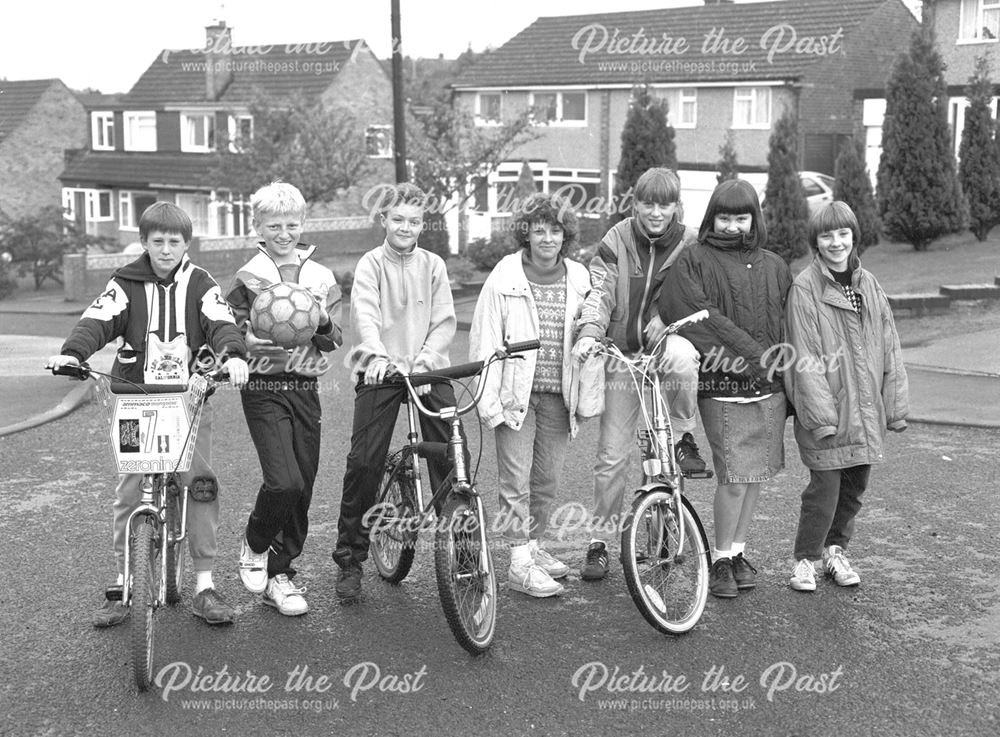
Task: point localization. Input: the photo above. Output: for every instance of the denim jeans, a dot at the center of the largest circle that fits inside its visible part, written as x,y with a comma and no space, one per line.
529,467
203,517
619,423
830,503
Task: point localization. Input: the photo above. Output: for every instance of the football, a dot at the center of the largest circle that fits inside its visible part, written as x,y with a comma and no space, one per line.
285,313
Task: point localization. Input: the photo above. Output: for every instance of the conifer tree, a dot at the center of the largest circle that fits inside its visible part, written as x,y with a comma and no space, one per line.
728,165
785,210
919,196
979,165
853,185
647,141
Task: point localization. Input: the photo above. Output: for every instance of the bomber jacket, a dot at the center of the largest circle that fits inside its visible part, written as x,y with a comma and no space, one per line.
136,303
627,258
744,290
402,311
845,377
506,311
260,273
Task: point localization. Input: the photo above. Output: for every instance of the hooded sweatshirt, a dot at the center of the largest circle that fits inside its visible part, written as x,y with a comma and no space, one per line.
137,303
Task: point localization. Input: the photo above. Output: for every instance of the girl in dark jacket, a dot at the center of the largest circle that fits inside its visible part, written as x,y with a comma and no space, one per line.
740,394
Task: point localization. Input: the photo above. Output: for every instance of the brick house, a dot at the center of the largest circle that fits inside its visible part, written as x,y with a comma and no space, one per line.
157,141
39,120
721,66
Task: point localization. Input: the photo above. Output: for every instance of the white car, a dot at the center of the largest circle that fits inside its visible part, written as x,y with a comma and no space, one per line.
817,187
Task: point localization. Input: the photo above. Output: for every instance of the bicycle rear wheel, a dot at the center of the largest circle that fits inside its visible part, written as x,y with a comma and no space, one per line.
668,584
175,547
145,573
393,533
468,593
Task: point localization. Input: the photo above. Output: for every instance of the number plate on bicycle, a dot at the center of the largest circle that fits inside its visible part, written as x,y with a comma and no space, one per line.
153,433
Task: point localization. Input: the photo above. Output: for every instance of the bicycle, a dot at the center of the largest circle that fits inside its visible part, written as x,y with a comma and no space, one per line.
463,561
152,429
664,550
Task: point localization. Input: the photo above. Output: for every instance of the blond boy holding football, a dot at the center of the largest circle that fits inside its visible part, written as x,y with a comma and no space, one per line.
281,399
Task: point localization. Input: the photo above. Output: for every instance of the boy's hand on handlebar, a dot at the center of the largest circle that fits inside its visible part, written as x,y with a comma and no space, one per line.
584,348
57,362
239,372
654,331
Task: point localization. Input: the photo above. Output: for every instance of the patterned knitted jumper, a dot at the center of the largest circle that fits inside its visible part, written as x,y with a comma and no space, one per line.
843,278
550,301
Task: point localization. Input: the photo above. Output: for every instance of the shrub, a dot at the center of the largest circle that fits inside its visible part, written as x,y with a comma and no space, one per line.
853,185
345,280
728,166
647,141
485,254
785,209
979,165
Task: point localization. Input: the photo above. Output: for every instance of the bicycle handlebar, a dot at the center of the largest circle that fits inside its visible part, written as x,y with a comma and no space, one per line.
84,372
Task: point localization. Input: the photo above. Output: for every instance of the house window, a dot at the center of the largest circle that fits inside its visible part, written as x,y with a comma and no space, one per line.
131,205
558,108
197,207
581,188
979,20
198,132
682,106
140,131
240,132
378,142
488,108
96,204
752,107
505,179
230,217
102,130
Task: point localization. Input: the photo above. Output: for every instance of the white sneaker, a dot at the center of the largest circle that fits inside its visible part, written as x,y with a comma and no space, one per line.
285,596
555,568
253,568
835,564
804,576
533,581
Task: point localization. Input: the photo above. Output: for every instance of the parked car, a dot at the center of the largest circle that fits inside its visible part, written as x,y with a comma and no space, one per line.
817,187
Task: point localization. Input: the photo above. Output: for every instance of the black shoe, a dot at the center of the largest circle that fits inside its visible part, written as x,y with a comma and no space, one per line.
720,580
744,573
210,606
688,458
596,566
348,586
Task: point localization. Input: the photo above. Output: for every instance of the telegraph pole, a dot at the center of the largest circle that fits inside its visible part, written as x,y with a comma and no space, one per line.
398,111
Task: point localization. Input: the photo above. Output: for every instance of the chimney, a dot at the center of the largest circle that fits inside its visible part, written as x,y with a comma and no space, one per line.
218,59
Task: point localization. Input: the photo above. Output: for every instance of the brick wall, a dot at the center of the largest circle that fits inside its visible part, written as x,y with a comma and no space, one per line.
31,158
959,57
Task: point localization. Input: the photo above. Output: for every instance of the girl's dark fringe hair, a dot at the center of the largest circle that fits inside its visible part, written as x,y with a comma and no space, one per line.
736,197
549,209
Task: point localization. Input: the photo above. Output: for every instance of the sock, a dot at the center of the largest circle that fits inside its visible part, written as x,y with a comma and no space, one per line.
203,580
595,540
738,548
520,555
727,553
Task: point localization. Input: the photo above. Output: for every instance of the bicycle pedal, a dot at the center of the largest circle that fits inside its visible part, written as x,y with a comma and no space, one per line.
706,474
113,593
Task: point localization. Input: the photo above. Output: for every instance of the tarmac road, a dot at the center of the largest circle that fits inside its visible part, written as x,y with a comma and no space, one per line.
914,651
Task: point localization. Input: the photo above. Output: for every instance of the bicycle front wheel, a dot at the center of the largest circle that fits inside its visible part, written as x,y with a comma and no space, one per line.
175,547
393,533
668,582
466,577
145,573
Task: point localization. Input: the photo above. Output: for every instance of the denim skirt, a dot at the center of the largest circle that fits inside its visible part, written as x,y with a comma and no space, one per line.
747,440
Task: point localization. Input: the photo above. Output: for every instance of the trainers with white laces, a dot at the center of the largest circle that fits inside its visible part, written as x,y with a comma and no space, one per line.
285,596
835,564
532,580
804,576
253,568
548,563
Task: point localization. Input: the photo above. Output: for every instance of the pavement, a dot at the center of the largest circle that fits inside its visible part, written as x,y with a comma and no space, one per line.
953,381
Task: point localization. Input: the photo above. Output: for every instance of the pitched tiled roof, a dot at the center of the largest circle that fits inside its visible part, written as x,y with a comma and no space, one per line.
279,70
17,99
142,170
548,52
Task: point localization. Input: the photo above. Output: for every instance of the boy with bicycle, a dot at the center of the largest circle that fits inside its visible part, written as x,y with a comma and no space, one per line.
171,317
402,318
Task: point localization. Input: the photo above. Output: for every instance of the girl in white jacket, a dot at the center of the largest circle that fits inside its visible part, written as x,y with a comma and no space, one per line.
534,402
